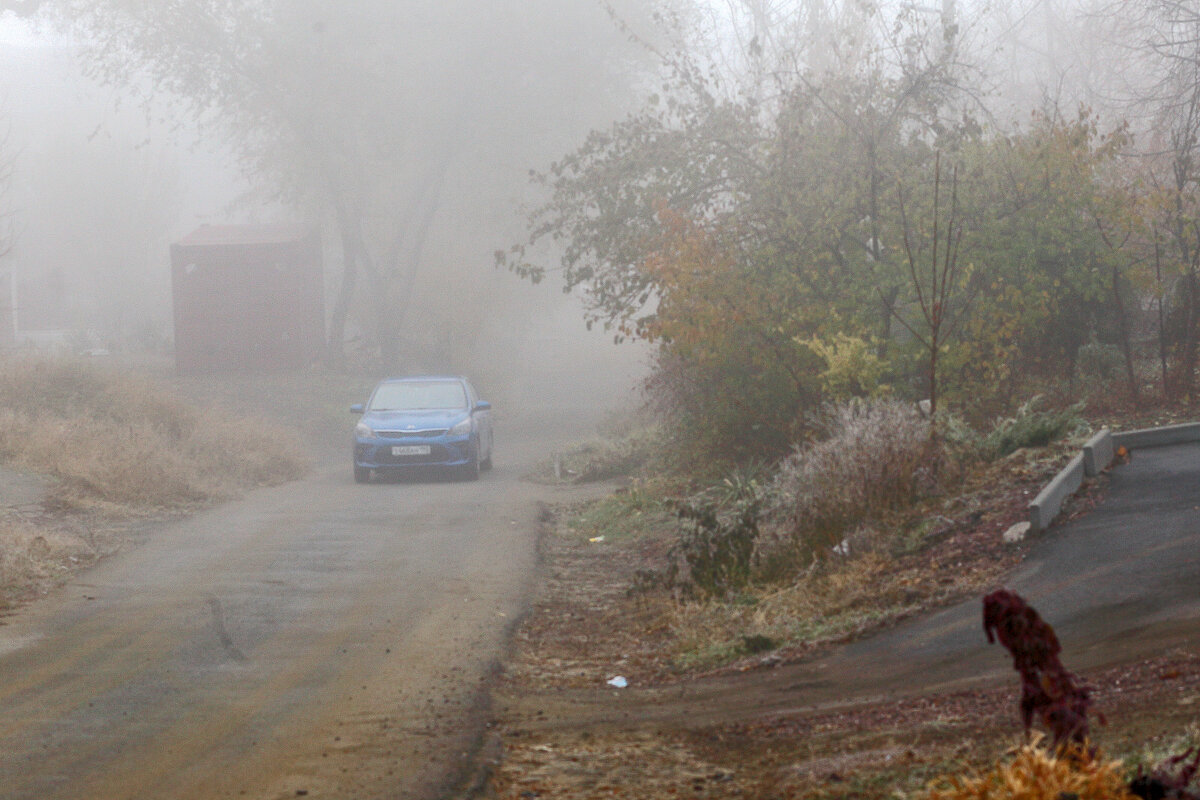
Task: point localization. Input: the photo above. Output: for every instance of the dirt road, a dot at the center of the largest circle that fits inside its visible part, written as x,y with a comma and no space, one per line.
320,639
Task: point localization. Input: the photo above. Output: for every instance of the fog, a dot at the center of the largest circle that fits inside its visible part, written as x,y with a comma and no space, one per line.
406,132
447,111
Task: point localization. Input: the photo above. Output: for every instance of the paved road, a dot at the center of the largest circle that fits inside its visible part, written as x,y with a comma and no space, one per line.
320,637
1121,583
1116,584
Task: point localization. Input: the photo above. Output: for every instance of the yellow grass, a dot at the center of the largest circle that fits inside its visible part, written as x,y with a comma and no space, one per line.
32,558
838,599
114,438
1035,774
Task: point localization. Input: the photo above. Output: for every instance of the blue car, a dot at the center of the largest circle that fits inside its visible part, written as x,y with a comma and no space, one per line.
430,421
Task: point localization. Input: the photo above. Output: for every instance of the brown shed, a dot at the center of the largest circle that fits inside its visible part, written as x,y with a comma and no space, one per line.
248,297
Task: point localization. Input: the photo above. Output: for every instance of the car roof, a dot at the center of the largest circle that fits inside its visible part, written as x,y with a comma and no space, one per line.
416,378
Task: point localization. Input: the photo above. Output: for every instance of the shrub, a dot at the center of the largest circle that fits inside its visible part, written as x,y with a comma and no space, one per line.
878,456
1031,428
736,405
715,553
853,367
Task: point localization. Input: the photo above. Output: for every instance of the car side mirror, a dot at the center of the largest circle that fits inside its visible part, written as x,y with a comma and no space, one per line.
483,405
357,408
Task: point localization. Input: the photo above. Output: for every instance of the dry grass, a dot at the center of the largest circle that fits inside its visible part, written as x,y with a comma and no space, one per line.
32,558
1035,774
878,457
828,604
112,438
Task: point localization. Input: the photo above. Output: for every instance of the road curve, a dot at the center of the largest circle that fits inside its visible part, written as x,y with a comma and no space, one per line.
1118,584
319,639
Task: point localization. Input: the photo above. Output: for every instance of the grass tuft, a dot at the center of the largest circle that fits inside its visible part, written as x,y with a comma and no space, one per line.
879,456
1037,774
1029,427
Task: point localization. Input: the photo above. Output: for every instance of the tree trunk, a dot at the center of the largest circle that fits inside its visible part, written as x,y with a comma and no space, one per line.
1188,365
1123,325
335,352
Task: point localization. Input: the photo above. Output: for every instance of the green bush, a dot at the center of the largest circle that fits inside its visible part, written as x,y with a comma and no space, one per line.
719,533
1031,428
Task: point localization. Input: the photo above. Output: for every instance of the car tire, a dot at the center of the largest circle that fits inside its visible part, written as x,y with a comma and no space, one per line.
362,474
486,464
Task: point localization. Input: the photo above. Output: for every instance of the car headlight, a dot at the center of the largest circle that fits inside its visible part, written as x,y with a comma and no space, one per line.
363,431
461,429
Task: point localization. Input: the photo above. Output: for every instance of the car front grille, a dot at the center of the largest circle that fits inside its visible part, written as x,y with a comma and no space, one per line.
429,434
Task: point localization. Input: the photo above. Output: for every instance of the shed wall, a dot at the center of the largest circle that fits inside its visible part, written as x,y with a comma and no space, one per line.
247,306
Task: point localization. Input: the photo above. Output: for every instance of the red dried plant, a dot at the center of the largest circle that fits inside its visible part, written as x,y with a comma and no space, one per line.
1047,688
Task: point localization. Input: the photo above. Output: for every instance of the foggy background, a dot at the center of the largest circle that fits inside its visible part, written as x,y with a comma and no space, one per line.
459,100
104,184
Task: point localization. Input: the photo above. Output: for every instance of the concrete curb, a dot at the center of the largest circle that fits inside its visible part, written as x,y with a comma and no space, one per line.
1159,437
1096,457
1049,502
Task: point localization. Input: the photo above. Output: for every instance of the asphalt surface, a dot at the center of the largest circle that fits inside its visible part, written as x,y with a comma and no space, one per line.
1117,583
319,639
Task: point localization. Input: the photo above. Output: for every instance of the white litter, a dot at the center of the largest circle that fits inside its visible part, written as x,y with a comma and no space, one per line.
618,682
1016,533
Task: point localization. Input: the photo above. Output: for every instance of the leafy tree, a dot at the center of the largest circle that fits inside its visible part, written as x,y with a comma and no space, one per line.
1165,57
748,232
1040,269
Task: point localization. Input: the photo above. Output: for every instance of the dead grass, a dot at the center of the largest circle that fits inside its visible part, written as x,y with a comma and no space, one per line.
878,457
117,439
33,558
1035,774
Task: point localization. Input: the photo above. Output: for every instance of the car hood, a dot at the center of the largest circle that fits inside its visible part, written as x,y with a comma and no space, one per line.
414,420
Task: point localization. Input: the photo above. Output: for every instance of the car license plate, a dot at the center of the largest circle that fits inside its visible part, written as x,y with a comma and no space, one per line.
411,450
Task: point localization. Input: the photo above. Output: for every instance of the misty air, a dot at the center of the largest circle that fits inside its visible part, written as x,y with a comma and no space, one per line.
599,398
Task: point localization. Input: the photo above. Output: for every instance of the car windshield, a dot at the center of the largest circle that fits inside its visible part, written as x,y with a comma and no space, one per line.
418,396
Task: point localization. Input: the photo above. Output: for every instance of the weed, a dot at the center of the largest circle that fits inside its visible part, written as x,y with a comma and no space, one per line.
719,531
1047,689
879,456
1038,774
716,548
1031,428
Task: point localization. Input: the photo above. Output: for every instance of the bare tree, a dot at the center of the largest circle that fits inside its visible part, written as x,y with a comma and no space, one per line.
1165,38
362,112
938,285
